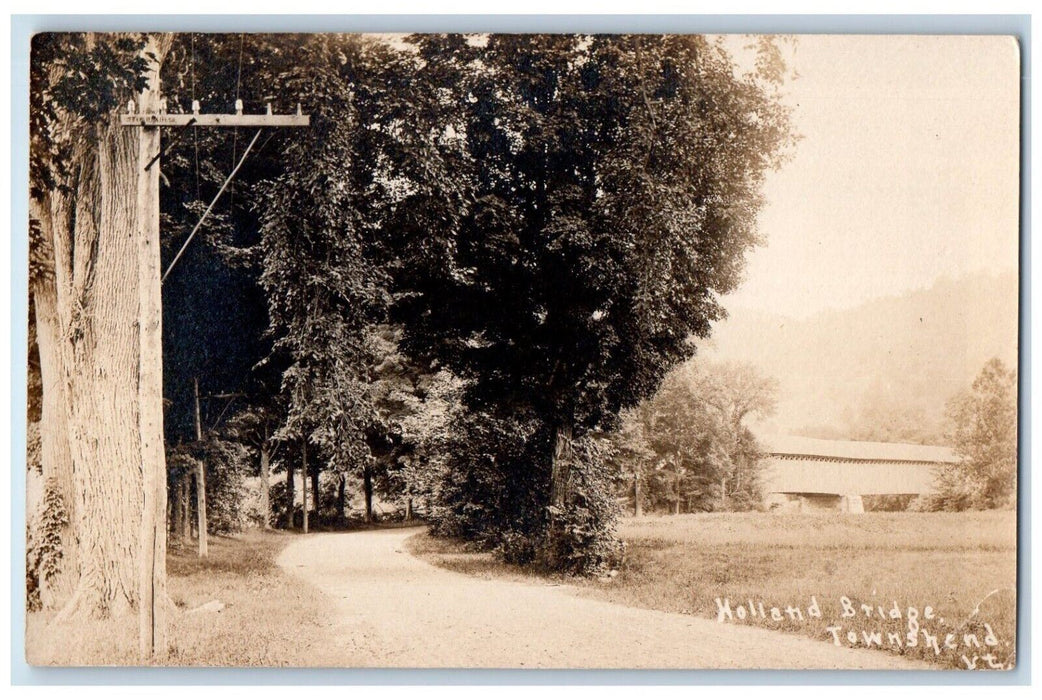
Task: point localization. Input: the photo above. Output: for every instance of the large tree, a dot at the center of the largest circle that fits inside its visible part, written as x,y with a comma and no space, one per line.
327,223
280,256
96,295
612,190
319,228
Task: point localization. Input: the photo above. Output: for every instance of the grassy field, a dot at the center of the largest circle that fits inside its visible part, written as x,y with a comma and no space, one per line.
269,619
947,561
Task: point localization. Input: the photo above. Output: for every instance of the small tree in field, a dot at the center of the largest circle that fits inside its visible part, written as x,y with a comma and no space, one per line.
984,434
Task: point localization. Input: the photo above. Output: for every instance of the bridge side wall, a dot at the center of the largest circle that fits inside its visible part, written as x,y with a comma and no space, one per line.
813,484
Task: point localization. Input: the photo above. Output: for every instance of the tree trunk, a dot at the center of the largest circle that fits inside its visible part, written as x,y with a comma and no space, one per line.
265,486
186,505
55,452
367,490
341,498
737,428
100,371
193,520
100,299
408,509
304,483
200,508
290,496
560,468
638,505
676,505
315,492
104,233
177,516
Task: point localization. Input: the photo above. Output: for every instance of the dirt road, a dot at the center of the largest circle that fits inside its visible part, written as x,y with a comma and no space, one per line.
394,610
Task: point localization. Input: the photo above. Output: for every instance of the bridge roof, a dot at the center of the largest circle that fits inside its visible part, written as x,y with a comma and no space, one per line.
795,446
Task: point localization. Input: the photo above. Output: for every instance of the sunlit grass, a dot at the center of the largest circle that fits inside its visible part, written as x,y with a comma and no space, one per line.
948,561
268,619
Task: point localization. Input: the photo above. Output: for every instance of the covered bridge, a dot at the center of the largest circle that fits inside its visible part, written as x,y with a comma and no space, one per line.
807,474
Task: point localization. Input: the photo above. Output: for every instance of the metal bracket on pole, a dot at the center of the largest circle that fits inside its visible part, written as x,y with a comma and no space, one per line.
171,143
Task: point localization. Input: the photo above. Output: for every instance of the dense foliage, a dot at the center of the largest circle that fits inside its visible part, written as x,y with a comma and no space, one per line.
414,407
76,80
43,550
447,288
688,448
612,187
228,464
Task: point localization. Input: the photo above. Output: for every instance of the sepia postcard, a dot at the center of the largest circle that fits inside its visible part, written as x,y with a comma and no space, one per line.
523,351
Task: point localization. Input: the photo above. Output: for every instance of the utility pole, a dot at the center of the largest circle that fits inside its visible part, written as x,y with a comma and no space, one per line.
200,476
151,560
150,116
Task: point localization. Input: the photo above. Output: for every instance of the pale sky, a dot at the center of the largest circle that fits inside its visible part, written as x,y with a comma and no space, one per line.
907,171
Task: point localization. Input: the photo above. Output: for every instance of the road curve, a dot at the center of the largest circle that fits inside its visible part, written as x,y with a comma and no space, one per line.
394,610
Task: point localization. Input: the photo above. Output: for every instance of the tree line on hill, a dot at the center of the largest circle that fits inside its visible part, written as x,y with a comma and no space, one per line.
885,369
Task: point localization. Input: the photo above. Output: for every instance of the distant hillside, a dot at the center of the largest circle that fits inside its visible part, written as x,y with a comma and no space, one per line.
896,358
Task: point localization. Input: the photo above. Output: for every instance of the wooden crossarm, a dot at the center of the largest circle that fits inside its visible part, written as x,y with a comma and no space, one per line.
256,120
